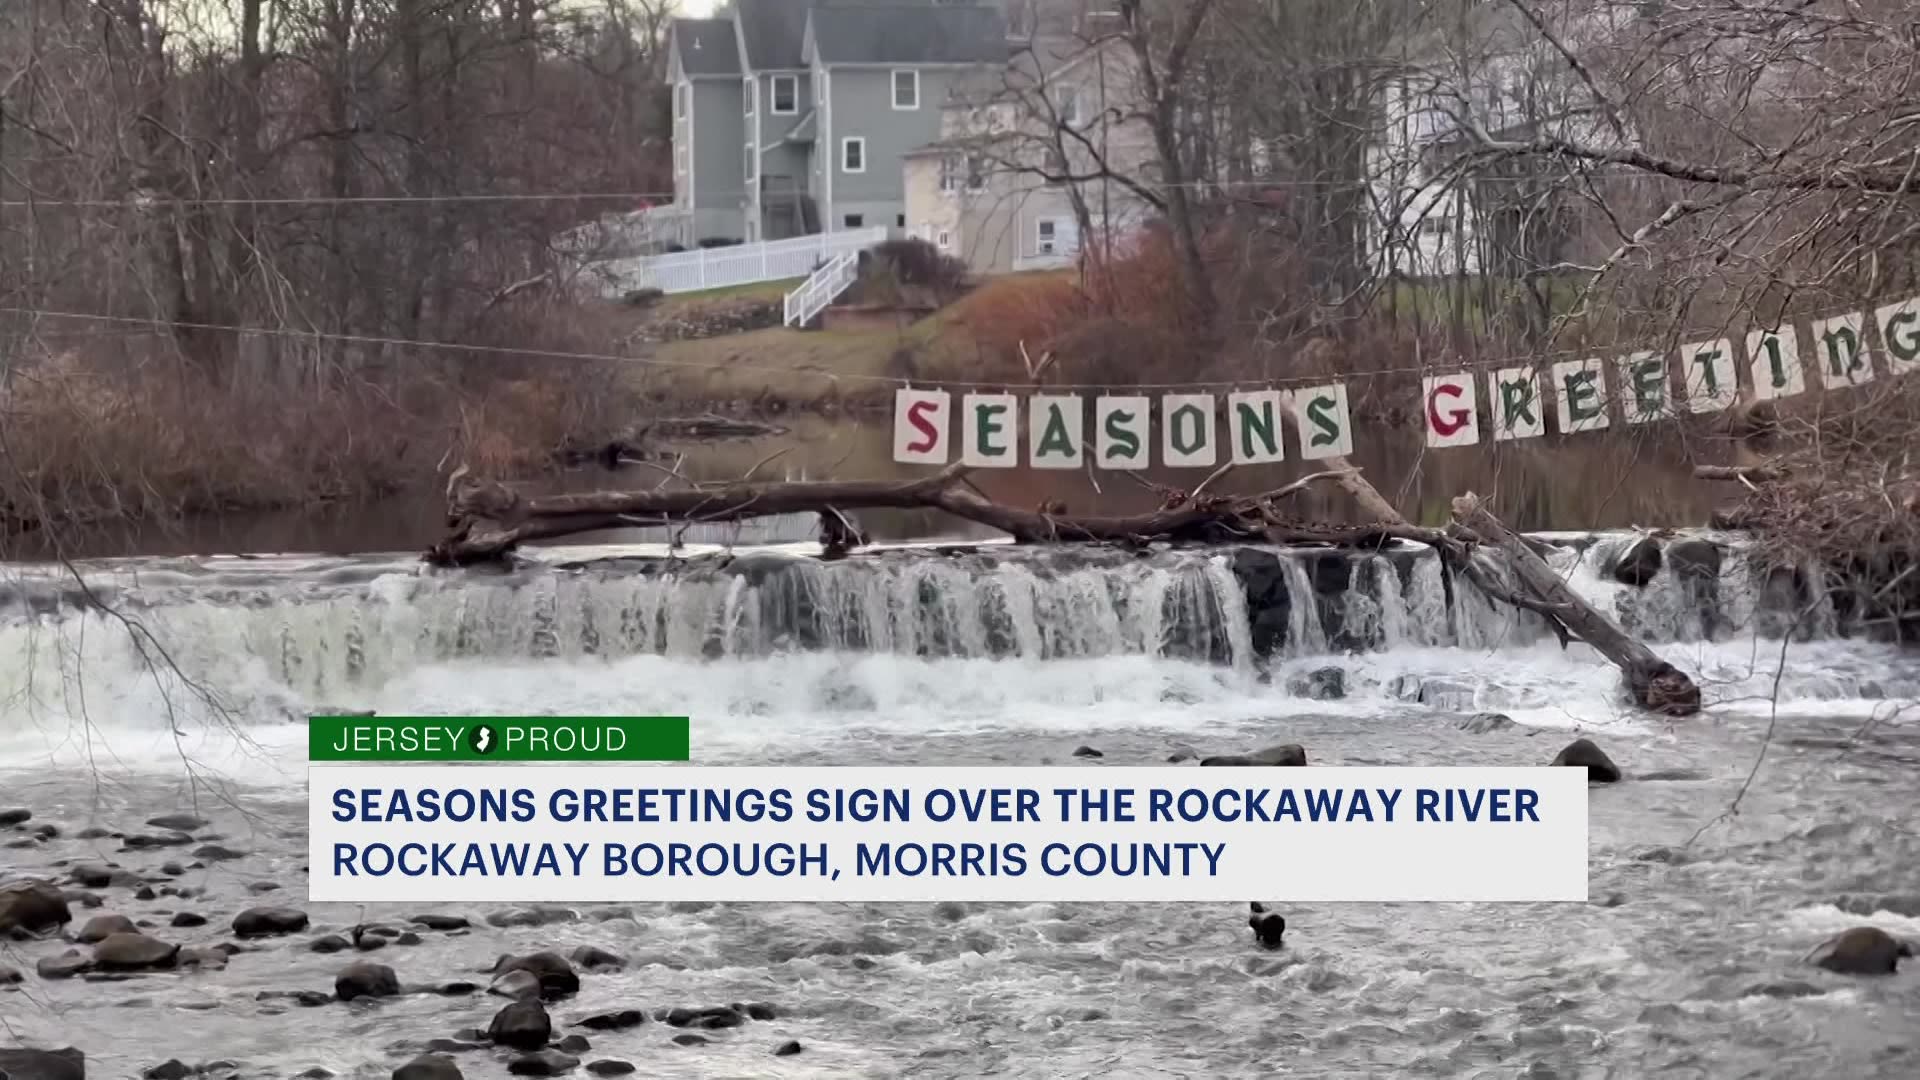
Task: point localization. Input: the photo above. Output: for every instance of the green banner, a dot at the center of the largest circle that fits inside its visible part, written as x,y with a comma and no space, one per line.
498,738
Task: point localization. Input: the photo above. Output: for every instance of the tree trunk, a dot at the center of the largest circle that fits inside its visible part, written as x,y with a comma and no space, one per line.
1655,684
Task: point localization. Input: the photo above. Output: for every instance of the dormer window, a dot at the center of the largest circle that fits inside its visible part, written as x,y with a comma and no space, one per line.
906,89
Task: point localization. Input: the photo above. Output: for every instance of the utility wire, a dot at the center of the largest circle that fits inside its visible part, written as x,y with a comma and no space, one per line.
1530,360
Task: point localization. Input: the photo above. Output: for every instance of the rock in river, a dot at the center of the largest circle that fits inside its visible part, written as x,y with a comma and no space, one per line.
1284,754
32,907
556,975
1583,753
364,979
523,1025
595,958
520,985
543,1063
787,1049
429,1067
177,822
133,952
100,927
329,943
15,816
615,1020
610,1067
1862,950
64,1064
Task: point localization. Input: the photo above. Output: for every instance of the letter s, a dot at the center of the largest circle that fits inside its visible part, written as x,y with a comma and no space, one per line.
916,416
342,804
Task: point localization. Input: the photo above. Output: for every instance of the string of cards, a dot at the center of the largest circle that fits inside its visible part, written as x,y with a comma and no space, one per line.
987,426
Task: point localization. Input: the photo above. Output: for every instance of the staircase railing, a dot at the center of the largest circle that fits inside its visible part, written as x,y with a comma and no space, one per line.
821,288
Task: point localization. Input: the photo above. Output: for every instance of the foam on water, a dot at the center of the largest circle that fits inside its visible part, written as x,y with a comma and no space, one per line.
774,646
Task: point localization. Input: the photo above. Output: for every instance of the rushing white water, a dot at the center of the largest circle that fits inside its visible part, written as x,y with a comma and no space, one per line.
1691,952
905,638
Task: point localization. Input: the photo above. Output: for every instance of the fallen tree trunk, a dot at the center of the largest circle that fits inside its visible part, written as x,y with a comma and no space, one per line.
1655,684
489,520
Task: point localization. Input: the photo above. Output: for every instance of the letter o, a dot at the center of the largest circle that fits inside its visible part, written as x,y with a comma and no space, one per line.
940,797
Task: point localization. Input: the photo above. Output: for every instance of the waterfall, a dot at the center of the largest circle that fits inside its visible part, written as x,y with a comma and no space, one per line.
327,628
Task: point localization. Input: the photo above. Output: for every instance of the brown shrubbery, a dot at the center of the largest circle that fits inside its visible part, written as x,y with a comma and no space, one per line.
89,439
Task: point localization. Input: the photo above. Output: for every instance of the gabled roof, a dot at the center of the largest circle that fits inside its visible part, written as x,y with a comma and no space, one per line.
772,30
874,34
706,47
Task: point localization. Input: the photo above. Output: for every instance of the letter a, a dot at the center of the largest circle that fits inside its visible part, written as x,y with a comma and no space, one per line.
1053,430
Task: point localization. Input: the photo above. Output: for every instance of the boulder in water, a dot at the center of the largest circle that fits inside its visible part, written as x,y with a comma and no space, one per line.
1582,753
1862,950
574,1044
1637,564
1486,722
170,1069
365,979
329,943
1320,684
10,976
429,1067
614,1020
1694,560
787,1049
595,958
63,1064
216,853
543,1063
15,816
523,1025
610,1067
556,975
133,952
100,927
1283,754
690,1039
519,985
65,966
177,822
1268,926
268,922
441,922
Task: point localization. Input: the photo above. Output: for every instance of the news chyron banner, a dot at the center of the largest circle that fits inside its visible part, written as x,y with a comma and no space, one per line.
616,809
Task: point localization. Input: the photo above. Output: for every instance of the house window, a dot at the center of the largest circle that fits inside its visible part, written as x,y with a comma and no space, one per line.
747,171
1056,167
950,173
944,240
900,221
853,154
680,101
786,94
680,158
1046,236
854,221
976,173
748,88
906,89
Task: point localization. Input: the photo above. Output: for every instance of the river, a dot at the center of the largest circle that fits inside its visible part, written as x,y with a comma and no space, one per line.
1689,961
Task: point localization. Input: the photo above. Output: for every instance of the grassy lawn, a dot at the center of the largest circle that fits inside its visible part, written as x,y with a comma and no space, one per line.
759,290
800,367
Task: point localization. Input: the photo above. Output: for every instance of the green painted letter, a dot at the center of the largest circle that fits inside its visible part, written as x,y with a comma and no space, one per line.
1320,412
1583,399
1257,423
1199,421
1516,402
985,427
1054,440
1125,444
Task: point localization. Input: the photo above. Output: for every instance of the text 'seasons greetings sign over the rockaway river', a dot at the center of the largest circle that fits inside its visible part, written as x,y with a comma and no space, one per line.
590,833
986,429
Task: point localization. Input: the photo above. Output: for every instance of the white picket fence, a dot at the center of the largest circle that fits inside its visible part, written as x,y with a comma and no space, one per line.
821,288
741,264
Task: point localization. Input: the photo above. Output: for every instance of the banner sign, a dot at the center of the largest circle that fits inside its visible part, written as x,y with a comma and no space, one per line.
1255,427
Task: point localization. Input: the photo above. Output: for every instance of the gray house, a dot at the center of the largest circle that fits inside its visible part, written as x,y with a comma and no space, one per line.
794,116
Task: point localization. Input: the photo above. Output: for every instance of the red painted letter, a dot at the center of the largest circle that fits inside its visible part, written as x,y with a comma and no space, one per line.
916,417
1454,420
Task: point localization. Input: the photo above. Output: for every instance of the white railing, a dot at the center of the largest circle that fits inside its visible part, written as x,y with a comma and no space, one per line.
821,288
741,264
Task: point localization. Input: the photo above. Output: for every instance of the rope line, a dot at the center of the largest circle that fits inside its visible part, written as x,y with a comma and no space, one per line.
1530,361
